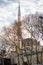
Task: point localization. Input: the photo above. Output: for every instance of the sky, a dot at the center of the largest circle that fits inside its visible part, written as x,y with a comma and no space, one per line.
9,10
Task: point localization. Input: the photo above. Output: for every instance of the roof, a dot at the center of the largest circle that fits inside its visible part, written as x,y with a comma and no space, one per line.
30,41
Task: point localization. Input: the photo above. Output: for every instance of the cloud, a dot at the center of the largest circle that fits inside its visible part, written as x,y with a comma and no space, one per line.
33,5
9,12
28,7
8,1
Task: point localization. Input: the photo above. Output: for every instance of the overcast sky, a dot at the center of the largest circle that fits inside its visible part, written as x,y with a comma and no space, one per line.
9,9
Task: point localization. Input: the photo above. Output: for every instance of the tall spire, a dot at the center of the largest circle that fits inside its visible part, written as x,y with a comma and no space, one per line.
19,14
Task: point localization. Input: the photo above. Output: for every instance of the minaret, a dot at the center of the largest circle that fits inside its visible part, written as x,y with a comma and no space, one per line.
19,14
19,26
